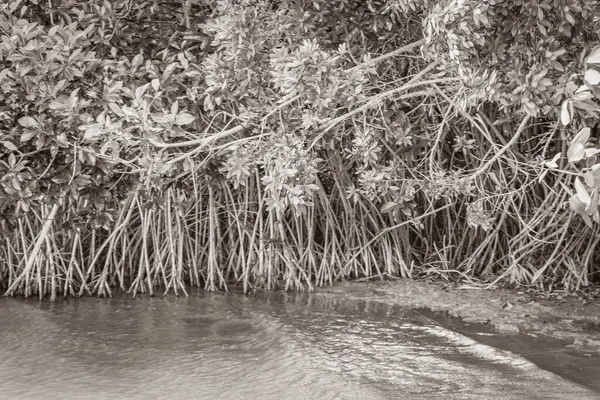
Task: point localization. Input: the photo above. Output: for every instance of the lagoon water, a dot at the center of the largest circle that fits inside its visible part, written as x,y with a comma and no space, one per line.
277,346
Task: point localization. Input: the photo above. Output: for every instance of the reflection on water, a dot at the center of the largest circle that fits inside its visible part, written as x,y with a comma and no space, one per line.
229,346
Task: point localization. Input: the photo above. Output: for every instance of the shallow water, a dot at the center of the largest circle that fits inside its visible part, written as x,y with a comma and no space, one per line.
277,346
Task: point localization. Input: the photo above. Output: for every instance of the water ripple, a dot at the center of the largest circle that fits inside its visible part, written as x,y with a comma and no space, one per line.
236,347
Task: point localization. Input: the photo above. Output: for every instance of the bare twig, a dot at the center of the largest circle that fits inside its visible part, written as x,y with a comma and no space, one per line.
504,149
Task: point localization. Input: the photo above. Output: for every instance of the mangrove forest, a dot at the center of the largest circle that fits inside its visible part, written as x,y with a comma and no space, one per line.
151,146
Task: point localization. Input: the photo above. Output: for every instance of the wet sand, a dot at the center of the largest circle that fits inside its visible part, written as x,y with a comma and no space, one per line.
573,320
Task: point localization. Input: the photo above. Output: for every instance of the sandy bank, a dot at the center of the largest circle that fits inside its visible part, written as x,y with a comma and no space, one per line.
575,320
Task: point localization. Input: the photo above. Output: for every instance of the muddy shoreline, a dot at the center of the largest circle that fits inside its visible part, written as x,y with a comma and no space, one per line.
573,320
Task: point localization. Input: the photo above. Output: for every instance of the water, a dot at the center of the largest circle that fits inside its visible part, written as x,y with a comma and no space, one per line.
277,346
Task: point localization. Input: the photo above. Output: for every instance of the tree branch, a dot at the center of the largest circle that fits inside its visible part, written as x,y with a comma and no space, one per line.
201,142
504,149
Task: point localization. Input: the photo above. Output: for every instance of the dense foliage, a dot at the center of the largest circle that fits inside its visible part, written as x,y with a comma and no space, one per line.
150,144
